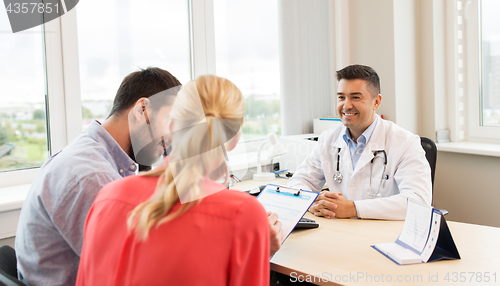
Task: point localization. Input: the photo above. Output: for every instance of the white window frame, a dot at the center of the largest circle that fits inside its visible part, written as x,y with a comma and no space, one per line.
202,44
473,60
63,96
63,78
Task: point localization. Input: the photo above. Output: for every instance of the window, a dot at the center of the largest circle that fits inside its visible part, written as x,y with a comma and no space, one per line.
122,36
23,116
88,52
490,63
481,52
247,53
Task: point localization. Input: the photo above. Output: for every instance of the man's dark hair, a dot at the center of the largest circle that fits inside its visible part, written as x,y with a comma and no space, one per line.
142,83
361,72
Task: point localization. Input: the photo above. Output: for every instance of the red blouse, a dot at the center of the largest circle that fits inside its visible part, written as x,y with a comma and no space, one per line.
224,240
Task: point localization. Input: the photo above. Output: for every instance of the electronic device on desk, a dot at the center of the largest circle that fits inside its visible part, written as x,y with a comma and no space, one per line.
256,191
304,223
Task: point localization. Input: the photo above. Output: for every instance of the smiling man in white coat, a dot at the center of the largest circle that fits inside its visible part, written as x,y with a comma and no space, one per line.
371,165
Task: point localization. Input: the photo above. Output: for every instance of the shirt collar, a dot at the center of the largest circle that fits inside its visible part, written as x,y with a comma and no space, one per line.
365,137
123,162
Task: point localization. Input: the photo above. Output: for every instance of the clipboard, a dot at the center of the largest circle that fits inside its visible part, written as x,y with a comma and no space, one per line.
425,237
290,204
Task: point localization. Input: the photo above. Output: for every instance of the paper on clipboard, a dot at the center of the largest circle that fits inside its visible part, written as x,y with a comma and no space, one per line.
288,203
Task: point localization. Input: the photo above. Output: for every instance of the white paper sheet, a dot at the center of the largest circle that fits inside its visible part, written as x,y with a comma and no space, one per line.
416,228
289,207
398,253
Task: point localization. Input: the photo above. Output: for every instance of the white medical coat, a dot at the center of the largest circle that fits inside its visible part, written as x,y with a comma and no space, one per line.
409,174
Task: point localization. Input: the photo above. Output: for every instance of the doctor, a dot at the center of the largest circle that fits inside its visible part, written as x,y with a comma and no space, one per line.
371,165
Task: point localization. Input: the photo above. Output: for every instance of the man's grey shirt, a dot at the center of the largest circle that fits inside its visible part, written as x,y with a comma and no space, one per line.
50,231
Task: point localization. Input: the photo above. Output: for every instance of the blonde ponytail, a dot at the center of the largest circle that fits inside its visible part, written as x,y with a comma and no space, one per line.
208,112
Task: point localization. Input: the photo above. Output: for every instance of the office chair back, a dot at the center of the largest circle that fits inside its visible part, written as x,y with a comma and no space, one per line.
8,267
430,154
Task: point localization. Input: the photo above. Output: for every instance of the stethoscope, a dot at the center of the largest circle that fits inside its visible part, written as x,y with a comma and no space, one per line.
337,177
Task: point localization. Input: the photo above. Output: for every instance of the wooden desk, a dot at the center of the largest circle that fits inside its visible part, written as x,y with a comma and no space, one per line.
339,251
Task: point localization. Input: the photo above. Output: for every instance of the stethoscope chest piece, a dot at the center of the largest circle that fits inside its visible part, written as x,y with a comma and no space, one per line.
337,177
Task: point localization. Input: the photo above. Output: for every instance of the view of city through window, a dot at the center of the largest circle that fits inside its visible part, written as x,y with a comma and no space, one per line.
135,36
490,95
123,36
23,128
247,53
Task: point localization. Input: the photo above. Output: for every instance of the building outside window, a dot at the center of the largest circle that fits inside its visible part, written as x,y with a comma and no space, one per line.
122,36
23,113
490,63
247,53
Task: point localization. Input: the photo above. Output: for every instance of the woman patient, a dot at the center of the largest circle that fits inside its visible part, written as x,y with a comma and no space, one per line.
175,225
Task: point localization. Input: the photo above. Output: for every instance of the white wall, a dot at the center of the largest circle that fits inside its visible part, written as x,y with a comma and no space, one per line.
383,35
8,241
468,187
371,29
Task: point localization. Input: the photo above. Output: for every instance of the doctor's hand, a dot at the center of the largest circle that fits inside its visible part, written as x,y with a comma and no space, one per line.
321,207
275,232
331,204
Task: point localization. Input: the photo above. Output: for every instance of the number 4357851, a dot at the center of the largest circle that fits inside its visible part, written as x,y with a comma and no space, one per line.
32,8
471,276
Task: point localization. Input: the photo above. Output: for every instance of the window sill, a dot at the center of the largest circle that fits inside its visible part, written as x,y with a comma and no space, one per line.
473,148
11,202
12,198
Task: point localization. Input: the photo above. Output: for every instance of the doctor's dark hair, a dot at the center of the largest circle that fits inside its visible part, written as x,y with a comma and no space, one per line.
142,83
361,72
